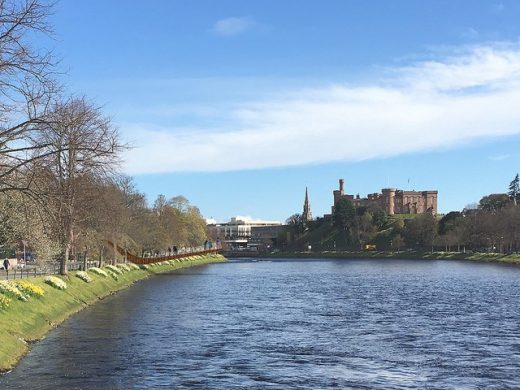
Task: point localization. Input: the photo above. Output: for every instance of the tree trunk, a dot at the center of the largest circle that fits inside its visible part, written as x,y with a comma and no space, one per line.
65,260
114,261
85,260
101,251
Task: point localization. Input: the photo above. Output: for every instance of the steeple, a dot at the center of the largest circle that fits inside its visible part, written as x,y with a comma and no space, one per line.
307,214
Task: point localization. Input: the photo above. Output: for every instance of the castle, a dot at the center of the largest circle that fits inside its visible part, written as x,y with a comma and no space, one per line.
392,201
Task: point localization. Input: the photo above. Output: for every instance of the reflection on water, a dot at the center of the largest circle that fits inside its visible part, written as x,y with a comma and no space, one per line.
293,324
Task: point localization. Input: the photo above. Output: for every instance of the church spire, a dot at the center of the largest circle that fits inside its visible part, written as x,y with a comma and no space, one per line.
307,214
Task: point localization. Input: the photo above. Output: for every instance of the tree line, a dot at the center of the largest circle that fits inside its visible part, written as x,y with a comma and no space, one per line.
493,225
61,192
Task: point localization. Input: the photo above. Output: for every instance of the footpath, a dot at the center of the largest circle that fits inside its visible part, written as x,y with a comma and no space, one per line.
30,308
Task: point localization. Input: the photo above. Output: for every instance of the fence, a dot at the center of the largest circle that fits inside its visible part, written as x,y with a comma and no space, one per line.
149,260
47,269
54,268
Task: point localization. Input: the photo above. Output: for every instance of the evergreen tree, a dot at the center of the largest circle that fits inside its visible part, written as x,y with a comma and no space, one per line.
514,190
344,214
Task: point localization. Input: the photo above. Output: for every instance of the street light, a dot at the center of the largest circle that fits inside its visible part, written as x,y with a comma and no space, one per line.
24,243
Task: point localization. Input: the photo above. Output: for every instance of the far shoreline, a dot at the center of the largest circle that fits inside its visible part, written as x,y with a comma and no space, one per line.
403,255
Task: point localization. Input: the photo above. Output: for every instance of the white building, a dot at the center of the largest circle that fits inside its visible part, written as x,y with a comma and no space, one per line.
238,231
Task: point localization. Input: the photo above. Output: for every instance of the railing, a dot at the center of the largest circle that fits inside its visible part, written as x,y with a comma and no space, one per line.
54,268
47,269
149,260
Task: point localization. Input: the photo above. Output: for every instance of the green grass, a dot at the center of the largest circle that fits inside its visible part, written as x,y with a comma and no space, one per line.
25,322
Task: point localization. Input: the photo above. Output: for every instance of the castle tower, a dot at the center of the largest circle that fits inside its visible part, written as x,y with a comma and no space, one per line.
389,200
339,193
307,214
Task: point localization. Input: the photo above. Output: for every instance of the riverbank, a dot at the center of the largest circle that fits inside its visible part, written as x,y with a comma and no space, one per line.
412,255
25,322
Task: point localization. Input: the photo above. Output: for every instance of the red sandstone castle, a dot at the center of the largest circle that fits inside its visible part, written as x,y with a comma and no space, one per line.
393,201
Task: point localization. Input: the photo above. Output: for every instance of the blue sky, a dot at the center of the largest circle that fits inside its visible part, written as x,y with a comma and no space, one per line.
239,105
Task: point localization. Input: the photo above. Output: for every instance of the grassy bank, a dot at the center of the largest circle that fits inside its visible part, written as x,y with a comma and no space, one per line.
24,322
412,255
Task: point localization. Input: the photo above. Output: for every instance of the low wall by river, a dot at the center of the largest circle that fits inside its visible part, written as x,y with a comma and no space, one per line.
513,258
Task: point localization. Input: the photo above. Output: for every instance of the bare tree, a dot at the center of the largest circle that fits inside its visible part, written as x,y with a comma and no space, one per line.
82,150
26,87
21,220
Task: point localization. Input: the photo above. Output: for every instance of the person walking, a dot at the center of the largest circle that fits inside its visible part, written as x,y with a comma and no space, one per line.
6,267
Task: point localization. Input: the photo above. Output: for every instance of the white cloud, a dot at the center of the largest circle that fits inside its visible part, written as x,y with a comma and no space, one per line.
426,106
232,26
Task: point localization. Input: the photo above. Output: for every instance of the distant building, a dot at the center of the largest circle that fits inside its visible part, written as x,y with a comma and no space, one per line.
244,232
393,201
307,213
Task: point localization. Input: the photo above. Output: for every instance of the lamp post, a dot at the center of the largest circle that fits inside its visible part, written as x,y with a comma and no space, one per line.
24,243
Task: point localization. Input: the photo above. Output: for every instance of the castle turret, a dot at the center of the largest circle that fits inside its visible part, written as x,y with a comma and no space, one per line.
338,193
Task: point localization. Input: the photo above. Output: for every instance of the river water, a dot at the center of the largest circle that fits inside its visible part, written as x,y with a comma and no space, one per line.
305,324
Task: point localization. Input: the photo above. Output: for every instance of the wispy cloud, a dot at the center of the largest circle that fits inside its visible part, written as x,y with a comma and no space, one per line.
469,95
469,33
499,157
232,26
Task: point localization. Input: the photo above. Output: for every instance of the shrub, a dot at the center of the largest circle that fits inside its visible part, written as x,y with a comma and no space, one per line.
114,269
29,288
112,274
84,276
133,266
10,289
98,271
55,282
144,266
124,267
4,302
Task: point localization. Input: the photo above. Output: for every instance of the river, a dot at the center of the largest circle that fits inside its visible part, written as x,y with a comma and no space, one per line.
305,324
